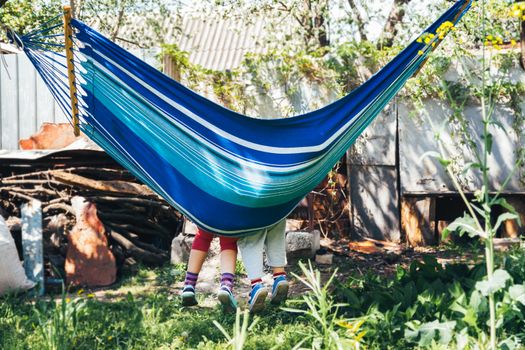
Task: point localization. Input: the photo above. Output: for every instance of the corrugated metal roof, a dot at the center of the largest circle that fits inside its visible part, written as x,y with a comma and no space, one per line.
220,44
8,48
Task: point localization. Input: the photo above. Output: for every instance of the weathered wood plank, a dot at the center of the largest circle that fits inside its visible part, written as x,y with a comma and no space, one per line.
417,137
27,98
377,144
418,217
375,202
32,242
9,105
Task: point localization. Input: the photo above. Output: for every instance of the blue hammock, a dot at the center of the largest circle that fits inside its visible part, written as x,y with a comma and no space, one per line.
231,174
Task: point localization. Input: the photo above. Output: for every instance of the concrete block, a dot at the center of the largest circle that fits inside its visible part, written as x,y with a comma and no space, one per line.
180,248
302,244
189,228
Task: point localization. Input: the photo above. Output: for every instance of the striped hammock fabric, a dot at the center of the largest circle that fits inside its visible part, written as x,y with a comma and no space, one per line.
229,173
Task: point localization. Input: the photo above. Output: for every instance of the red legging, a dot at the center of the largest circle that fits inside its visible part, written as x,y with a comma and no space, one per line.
203,239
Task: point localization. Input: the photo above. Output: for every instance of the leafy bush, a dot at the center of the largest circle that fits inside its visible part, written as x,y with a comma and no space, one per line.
429,303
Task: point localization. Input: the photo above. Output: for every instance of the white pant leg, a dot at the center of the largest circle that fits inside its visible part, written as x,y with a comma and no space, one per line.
251,249
276,245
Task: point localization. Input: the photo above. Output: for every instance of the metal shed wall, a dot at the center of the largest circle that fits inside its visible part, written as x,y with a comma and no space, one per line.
25,101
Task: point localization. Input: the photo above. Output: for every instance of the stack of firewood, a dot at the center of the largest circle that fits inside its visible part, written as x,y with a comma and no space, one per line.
139,224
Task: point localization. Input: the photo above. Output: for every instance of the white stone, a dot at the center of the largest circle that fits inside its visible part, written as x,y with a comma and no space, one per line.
324,259
302,244
180,248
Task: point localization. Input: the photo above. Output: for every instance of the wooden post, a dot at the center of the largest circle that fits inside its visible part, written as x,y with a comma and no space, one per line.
32,242
68,33
170,68
418,220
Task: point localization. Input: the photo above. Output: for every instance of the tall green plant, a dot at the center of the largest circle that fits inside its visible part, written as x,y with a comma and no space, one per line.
324,328
241,329
58,328
477,221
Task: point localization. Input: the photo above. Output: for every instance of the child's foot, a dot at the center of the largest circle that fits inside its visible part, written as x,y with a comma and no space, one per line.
188,296
257,297
279,290
227,299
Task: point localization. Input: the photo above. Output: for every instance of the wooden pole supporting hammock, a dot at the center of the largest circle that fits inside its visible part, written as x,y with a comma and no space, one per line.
68,34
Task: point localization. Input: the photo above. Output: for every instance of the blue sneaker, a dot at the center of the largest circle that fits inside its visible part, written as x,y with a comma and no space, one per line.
279,290
257,297
227,299
188,296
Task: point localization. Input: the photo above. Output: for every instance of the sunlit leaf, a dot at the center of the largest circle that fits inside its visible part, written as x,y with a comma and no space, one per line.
497,282
517,292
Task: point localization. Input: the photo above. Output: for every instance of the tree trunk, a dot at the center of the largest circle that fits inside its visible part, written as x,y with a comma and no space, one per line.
522,36
72,4
397,13
360,20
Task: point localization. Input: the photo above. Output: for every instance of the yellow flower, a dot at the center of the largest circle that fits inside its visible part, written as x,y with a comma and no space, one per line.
80,291
420,53
427,41
513,42
489,37
433,44
516,13
110,337
91,295
68,300
497,47
419,40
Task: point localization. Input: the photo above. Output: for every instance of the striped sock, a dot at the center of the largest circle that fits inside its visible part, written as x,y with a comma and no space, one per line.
227,280
191,279
255,282
277,274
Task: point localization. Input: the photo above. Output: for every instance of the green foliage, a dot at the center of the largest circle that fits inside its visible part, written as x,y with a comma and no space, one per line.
23,15
324,328
240,331
431,303
59,330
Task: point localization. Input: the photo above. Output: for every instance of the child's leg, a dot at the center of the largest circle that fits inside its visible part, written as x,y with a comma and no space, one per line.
276,254
199,250
251,248
275,245
228,260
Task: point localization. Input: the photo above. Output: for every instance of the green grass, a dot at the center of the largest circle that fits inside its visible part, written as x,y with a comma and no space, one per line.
143,312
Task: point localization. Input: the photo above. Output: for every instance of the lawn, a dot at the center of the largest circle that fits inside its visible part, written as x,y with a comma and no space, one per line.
426,304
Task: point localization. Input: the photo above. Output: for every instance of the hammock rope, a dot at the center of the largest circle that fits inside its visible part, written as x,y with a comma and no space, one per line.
229,173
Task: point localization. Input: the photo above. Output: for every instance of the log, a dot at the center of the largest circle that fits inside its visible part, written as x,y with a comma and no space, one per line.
134,220
137,201
139,230
134,251
59,206
120,187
